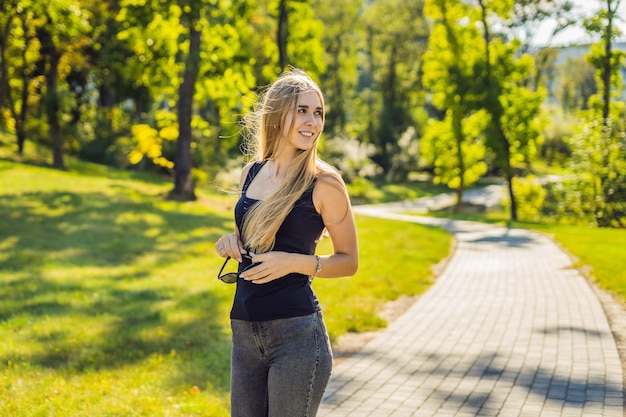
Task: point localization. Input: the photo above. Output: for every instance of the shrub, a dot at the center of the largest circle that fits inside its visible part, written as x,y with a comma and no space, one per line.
529,195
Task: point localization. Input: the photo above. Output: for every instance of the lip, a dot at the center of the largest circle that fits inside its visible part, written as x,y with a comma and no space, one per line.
307,134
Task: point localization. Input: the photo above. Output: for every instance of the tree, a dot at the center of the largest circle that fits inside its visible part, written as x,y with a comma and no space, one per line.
599,149
527,14
339,81
183,180
576,85
396,38
514,109
607,62
18,54
186,41
282,33
455,145
61,35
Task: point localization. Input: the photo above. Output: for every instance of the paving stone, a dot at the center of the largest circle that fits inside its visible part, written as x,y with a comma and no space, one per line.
509,328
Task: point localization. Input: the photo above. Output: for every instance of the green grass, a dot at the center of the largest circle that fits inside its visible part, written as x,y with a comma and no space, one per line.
109,305
108,301
600,253
367,191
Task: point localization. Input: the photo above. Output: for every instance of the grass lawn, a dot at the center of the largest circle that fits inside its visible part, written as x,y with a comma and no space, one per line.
600,253
109,305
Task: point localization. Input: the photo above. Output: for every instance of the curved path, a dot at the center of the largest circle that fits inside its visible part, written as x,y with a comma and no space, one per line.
510,328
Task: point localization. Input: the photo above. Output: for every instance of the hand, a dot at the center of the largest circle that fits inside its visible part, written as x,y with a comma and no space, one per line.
268,267
230,245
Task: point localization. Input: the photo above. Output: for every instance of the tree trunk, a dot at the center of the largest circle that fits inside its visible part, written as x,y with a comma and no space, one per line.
339,109
183,179
282,34
20,121
494,108
457,128
52,108
371,128
5,88
606,70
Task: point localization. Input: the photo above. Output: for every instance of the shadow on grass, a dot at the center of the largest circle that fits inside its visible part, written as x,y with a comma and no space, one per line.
121,241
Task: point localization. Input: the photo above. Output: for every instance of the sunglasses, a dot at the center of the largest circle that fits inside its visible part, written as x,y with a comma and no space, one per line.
231,277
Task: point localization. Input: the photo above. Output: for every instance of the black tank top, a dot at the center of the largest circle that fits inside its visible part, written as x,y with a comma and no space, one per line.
291,295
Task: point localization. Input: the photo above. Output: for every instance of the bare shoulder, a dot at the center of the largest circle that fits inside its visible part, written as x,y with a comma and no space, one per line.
327,175
330,196
246,168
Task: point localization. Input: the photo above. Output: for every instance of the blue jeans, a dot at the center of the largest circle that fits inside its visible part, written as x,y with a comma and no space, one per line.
279,368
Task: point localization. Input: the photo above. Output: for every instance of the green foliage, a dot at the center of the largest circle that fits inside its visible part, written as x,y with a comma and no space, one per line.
339,81
441,148
394,42
349,156
363,190
517,107
600,158
567,202
530,196
600,143
122,63
454,146
596,58
555,148
577,84
305,46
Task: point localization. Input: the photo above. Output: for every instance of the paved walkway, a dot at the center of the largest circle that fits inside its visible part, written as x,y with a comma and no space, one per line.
510,328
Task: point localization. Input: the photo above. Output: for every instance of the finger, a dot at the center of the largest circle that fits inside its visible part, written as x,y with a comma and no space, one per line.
256,259
263,280
219,248
231,247
255,273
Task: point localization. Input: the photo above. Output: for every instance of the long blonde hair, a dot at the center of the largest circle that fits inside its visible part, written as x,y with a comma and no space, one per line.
264,219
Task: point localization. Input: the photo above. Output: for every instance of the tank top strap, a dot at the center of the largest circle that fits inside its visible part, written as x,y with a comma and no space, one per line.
254,170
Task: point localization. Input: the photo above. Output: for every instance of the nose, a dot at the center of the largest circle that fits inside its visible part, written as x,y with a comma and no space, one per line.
312,119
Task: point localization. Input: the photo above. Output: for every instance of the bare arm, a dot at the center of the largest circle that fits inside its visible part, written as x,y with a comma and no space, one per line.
331,201
334,206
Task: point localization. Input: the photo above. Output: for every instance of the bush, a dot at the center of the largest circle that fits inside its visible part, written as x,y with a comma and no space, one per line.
529,195
555,148
362,190
350,156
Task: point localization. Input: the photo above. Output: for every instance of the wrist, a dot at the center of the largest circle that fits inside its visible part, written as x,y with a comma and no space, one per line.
318,266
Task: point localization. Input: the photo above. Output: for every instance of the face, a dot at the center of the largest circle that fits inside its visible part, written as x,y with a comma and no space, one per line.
308,121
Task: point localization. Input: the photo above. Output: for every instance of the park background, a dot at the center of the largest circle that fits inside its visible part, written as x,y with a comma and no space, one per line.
120,149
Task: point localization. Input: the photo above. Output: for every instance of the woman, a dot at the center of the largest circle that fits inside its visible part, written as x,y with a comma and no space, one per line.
281,358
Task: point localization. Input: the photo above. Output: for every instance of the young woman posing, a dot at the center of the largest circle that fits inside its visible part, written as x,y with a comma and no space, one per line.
281,358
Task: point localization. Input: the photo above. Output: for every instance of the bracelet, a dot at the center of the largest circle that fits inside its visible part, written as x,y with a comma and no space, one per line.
318,268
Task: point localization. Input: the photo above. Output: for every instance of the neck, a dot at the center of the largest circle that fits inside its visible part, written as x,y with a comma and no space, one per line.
279,164
276,170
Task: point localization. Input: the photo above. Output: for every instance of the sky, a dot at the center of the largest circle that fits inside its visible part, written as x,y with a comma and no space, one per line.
576,34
